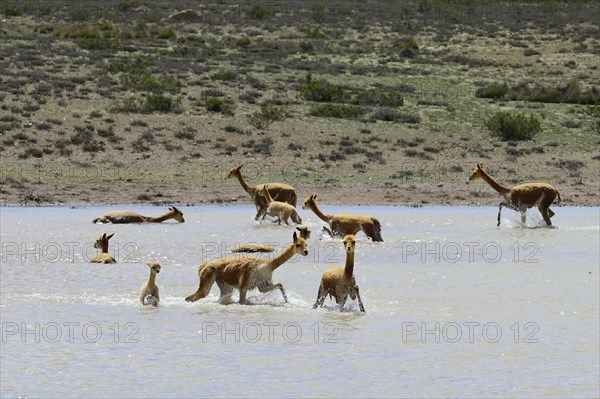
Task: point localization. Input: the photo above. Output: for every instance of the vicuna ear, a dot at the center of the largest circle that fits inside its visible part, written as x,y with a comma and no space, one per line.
479,165
175,209
314,196
240,167
108,237
295,237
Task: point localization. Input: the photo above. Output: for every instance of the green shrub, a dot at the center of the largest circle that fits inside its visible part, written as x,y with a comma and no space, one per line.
268,114
382,97
495,90
227,75
99,43
145,81
161,103
217,104
513,127
337,111
259,12
391,115
322,91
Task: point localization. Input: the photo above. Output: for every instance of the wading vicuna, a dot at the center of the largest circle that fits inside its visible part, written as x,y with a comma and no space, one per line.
278,209
102,244
255,247
344,224
279,191
134,217
522,196
339,282
149,290
244,273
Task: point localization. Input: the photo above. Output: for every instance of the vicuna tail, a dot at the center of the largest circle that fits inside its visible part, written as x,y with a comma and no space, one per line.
558,199
296,218
95,220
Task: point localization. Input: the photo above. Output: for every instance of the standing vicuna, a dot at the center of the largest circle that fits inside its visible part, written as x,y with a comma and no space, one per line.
149,290
344,224
278,209
102,244
279,191
254,247
134,217
339,282
244,273
522,196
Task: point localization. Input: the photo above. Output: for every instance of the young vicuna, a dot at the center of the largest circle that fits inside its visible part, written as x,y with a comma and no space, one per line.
244,273
339,282
281,210
344,224
522,196
102,244
254,248
133,217
149,290
279,191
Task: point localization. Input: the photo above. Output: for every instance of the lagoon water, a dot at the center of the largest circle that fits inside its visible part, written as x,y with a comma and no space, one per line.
455,306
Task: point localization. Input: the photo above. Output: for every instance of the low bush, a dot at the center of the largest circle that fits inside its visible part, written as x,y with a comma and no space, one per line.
322,91
337,111
515,127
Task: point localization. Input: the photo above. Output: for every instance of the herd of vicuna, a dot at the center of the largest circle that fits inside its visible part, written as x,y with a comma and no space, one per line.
278,200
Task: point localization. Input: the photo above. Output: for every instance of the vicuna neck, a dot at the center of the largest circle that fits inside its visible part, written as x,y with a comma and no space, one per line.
349,267
313,206
495,185
152,278
104,245
160,218
250,190
282,257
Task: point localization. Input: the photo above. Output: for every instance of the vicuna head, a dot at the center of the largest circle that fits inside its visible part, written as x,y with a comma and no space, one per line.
154,267
177,214
349,243
309,200
300,246
304,232
235,172
477,173
102,242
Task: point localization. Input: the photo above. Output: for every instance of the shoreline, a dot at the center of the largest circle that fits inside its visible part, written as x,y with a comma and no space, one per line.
229,193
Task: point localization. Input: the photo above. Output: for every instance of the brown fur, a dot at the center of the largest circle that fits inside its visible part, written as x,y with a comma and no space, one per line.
345,224
281,210
255,248
339,282
134,217
279,191
244,273
102,244
522,196
149,290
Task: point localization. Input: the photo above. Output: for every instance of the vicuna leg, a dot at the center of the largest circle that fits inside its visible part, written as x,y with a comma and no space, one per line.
510,206
545,214
226,290
206,283
269,288
342,301
360,304
320,297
